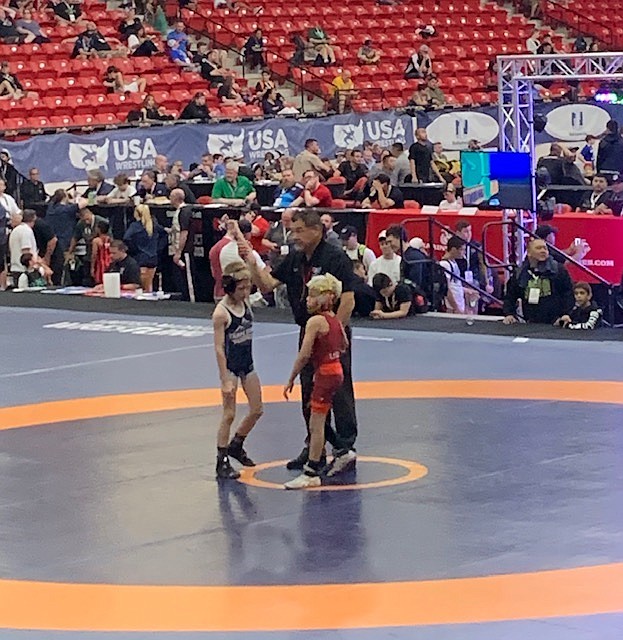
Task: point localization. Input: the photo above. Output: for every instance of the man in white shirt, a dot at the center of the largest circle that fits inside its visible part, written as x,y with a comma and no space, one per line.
388,263
22,240
7,201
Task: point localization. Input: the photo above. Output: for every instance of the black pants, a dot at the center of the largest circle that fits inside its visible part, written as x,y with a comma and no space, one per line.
345,433
183,277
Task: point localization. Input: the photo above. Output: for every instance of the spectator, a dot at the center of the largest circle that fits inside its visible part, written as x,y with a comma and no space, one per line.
145,240
542,284
149,187
354,249
450,202
272,165
123,193
272,103
33,190
388,262
546,48
614,203
196,109
92,44
49,249
435,96
445,166
81,246
474,145
8,32
472,267
353,169
383,195
30,29
204,170
394,300
570,170
343,90
208,61
610,151
599,195
367,54
365,296
259,228
141,45
232,188
130,25
178,169
387,165
415,265
419,98
97,187
254,50
125,266
264,83
304,51
62,216
218,165
455,298
7,201
585,315
589,150
421,161
150,111
280,237
491,76
161,167
174,181
330,235
100,252
288,190
22,240
553,163
315,194
66,12
114,82
10,86
309,158
182,238
35,275
321,42
576,251
179,36
420,64
403,166
533,42
229,94
180,56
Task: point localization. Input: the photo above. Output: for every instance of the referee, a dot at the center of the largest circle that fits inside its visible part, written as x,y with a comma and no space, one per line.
316,257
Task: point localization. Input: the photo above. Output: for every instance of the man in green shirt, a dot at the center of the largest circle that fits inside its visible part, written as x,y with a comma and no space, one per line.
233,189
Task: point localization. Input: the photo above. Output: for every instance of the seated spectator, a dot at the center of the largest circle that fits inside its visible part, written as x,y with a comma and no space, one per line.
367,54
33,190
30,29
36,275
352,169
449,169
450,202
97,187
365,296
149,188
174,181
205,169
419,98
233,188
288,190
218,165
151,111
388,262
10,86
179,36
343,90
177,168
196,109
8,31
259,228
123,193
543,286
180,56
66,12
304,51
383,195
474,145
272,103
229,94
321,42
130,25
455,298
272,165
546,48
254,50
585,315
415,266
330,235
403,167
387,165
614,203
435,96
598,196
315,194
265,83
141,45
92,44
161,167
394,300
491,76
21,241
100,251
209,65
124,265
354,249
115,83
420,64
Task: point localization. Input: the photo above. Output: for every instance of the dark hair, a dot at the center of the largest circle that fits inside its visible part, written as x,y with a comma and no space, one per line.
462,224
398,146
397,231
612,126
357,263
103,226
58,196
583,286
308,218
151,174
383,178
120,245
25,259
29,215
455,243
601,175
310,141
381,281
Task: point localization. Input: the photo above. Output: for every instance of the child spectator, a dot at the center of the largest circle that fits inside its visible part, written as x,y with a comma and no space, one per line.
365,296
36,274
393,300
585,314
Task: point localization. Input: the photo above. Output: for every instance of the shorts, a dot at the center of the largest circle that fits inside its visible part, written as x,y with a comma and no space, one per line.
325,386
242,372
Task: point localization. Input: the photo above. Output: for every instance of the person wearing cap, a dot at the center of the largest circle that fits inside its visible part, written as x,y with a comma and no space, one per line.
599,195
354,249
576,251
450,202
614,203
233,189
367,54
388,262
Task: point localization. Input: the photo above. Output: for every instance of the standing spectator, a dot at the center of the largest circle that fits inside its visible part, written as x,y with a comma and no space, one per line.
309,158
81,245
254,49
100,252
383,195
423,168
10,86
450,202
151,111
353,169
330,235
388,262
22,240
33,190
321,42
288,190
394,300
354,249
314,193
7,201
259,228
455,298
30,28
343,90
576,251
145,240
610,152
280,238
534,42
403,167
196,109
97,187
435,96
420,64
232,188
67,12
62,215
589,150
542,284
367,54
49,249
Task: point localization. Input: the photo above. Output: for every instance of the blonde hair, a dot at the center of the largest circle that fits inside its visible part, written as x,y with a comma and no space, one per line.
325,283
143,215
238,270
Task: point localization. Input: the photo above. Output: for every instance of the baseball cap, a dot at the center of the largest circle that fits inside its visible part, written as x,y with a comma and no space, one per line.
543,230
383,235
348,231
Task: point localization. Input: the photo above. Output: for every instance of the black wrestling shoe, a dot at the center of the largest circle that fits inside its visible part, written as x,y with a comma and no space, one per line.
224,470
237,452
299,461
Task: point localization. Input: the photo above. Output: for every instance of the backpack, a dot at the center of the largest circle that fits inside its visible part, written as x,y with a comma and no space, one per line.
419,303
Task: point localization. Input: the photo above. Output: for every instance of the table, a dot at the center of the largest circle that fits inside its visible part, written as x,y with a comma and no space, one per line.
265,190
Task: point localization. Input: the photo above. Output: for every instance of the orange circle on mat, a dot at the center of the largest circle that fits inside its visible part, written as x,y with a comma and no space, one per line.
111,607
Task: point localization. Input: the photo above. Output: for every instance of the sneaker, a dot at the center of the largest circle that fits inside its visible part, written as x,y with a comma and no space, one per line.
303,481
224,470
342,462
237,452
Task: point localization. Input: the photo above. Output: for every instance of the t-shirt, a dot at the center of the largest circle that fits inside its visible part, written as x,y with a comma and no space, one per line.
352,175
118,194
452,270
8,202
339,84
224,189
21,238
128,269
324,196
285,197
185,222
305,161
83,233
256,241
389,267
422,156
394,194
362,253
402,293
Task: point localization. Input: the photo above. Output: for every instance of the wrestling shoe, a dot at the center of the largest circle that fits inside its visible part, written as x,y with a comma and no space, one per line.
341,462
237,452
304,481
224,470
300,460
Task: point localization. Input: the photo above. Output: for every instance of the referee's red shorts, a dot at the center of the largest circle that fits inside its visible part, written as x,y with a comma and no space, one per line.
328,378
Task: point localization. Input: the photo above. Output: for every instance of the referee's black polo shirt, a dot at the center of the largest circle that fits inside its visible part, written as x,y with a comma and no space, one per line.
296,271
